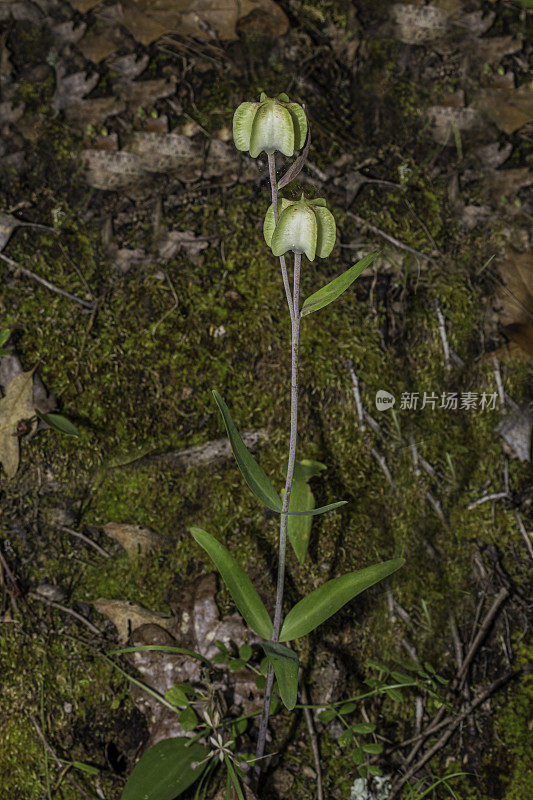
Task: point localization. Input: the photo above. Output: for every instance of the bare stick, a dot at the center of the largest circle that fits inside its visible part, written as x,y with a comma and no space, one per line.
87,541
500,598
499,383
314,742
50,750
356,394
29,274
391,239
446,735
66,610
437,508
524,533
384,468
488,498
444,338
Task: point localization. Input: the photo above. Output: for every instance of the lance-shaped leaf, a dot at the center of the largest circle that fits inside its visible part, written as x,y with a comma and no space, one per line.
302,499
252,473
239,584
297,166
336,287
164,771
325,601
312,512
59,423
285,664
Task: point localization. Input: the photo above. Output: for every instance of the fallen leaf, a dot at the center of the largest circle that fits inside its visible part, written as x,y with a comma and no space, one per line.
516,297
157,153
418,24
126,259
99,43
112,170
515,429
143,94
10,112
72,88
172,242
493,155
129,67
93,111
133,538
15,407
509,109
126,616
502,185
445,120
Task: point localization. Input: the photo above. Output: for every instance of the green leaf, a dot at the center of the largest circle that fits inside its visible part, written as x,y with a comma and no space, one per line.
245,652
325,601
302,499
164,771
314,511
236,664
358,756
394,694
251,471
188,719
327,715
285,664
239,584
345,738
347,708
336,287
260,682
88,768
373,749
364,727
176,696
59,423
5,333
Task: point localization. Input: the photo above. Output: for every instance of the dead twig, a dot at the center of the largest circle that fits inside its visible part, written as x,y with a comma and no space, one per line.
314,742
66,610
488,498
444,338
87,540
384,468
524,533
356,394
60,761
12,265
500,598
388,237
497,684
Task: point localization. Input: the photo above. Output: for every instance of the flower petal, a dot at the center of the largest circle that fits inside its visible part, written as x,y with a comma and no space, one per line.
327,231
272,129
242,124
299,120
269,224
296,230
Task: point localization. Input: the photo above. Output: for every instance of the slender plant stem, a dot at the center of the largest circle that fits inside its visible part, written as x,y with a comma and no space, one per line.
295,318
274,190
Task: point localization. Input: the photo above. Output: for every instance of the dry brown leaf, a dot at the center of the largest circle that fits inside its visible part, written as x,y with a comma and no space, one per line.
84,5
126,616
148,20
93,112
10,112
126,259
112,170
445,119
502,185
517,297
134,539
418,24
98,43
144,94
522,334
492,49
15,407
157,153
172,242
509,109
516,430
71,89
129,67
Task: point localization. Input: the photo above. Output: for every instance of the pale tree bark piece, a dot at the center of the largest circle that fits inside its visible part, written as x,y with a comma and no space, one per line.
15,407
133,538
112,170
209,453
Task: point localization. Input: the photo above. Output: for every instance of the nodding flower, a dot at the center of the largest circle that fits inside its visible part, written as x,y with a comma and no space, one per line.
274,123
304,226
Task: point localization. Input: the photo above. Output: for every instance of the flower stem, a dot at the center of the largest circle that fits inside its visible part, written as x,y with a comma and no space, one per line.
274,190
295,319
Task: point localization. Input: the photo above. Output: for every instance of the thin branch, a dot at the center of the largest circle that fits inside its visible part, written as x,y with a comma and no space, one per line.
500,598
389,238
487,499
29,274
356,394
314,742
383,464
444,338
66,610
87,540
524,533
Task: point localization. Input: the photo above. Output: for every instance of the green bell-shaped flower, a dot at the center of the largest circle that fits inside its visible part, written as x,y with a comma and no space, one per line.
304,226
270,125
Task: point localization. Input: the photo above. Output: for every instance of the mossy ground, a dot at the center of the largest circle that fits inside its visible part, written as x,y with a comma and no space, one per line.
125,376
